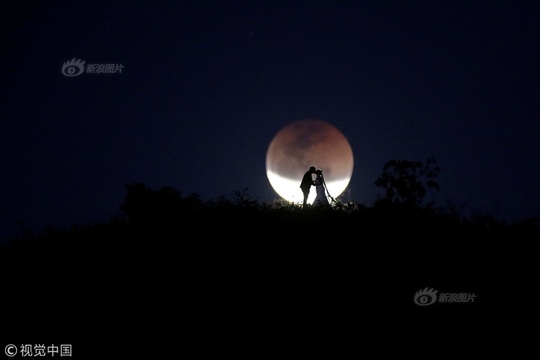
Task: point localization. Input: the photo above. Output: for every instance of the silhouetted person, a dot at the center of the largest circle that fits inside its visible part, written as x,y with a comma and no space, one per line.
320,188
307,183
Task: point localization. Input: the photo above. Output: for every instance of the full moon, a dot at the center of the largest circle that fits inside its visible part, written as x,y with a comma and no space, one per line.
305,143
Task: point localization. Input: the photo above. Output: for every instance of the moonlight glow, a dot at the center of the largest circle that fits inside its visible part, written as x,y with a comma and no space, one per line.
304,143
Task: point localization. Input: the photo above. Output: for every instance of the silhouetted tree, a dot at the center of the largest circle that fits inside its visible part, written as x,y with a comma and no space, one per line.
406,182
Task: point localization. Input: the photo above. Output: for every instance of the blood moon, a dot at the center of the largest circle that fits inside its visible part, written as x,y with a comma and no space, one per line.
305,143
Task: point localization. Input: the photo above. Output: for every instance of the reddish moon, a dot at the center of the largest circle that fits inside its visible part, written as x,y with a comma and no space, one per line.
305,143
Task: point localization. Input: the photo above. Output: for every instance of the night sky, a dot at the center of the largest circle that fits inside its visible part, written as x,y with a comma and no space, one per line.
205,85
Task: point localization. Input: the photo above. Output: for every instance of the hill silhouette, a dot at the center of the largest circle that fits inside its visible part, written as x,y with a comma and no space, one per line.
231,269
164,217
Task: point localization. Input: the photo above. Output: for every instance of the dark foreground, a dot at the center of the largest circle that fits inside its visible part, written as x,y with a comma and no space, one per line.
249,282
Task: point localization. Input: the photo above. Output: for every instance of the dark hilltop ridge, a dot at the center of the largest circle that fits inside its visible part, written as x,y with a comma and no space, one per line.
165,218
223,267
154,219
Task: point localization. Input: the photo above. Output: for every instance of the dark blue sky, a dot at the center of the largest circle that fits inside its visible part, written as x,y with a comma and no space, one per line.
207,84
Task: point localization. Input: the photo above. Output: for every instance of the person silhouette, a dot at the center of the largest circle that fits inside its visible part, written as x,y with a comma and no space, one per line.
307,183
320,188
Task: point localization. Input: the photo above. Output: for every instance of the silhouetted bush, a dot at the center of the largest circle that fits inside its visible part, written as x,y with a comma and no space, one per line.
406,182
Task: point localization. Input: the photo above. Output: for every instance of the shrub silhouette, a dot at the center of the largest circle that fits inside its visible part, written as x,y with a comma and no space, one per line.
406,182
145,206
